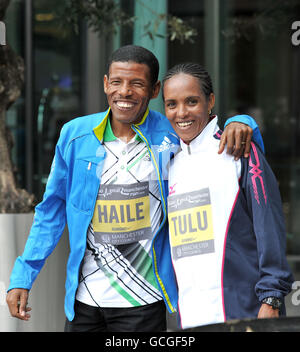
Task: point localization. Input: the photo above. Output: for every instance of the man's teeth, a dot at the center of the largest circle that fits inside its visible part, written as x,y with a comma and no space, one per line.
123,104
184,124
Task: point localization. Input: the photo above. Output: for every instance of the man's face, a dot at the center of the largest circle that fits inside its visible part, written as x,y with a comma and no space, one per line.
128,89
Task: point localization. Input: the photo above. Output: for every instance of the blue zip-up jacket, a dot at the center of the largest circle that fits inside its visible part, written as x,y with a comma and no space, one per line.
71,194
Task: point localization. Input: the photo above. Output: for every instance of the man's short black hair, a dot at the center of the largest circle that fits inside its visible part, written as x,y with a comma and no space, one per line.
139,55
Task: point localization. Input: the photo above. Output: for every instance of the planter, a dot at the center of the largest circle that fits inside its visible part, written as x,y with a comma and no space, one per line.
46,298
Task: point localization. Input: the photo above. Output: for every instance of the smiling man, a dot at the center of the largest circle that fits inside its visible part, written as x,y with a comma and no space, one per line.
129,88
106,184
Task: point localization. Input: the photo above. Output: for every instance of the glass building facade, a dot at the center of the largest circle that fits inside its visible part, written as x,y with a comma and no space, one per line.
246,45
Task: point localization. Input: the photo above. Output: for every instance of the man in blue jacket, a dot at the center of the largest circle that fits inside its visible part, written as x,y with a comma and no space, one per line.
108,183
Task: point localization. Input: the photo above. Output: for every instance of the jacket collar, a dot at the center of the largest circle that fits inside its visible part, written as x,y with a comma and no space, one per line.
99,130
104,131
204,140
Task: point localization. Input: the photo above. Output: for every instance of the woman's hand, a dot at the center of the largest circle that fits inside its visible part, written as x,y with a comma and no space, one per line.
266,311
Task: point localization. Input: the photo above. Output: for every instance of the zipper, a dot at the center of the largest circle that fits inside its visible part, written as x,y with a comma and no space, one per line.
90,219
164,218
159,177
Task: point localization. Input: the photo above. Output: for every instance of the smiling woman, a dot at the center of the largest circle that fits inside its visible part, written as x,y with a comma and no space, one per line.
188,113
216,222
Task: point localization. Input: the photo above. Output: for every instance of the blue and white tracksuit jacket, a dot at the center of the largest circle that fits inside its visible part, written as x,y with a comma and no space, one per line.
227,232
71,194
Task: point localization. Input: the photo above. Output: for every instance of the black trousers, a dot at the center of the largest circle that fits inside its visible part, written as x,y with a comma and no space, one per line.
147,318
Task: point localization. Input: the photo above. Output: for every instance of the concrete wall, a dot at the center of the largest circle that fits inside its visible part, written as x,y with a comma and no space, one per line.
46,297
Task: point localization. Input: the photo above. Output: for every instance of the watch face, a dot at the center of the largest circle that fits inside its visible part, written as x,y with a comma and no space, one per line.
272,301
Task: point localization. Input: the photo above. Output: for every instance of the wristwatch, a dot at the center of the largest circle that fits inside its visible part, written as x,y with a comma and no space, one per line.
274,302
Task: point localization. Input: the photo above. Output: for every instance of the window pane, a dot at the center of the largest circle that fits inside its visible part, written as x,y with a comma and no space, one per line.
263,76
57,95
256,70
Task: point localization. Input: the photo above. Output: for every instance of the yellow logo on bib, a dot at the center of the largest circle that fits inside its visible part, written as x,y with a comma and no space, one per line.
190,224
122,214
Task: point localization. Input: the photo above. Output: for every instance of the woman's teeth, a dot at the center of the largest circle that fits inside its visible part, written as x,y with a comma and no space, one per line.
184,124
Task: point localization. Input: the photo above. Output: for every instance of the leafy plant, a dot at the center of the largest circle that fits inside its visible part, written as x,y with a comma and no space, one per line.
102,16
106,16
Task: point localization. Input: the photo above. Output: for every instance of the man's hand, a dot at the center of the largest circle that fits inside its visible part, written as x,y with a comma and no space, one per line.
16,300
237,136
266,311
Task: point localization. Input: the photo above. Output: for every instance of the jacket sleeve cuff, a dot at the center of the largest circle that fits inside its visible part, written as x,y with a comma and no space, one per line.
248,120
18,285
276,294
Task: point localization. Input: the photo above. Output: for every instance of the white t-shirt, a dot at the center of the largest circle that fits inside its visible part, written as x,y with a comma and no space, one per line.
117,268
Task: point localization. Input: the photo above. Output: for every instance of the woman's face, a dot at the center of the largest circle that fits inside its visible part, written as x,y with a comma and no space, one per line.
186,106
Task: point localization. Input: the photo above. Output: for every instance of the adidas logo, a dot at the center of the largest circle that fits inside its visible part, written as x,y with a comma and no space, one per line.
165,145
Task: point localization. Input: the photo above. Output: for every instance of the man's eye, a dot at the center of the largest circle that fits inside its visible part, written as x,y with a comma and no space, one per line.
114,83
170,105
137,84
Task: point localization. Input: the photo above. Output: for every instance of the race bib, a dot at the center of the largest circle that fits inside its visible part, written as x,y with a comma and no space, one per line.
122,214
190,224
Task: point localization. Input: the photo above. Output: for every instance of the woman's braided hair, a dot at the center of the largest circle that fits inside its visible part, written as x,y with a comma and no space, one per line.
192,69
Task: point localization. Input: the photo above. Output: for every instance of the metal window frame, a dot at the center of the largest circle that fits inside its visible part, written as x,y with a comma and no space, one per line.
28,95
